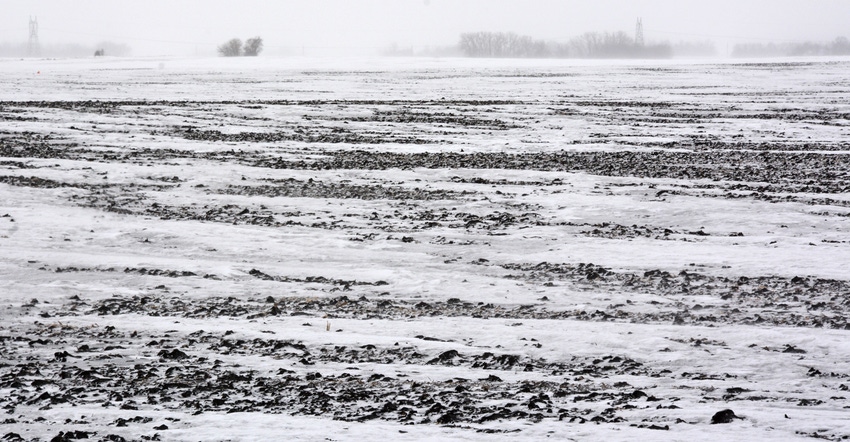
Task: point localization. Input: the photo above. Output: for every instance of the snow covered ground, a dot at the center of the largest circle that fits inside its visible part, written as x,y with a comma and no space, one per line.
311,249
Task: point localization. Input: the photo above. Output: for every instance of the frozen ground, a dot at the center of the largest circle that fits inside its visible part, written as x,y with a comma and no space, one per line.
424,249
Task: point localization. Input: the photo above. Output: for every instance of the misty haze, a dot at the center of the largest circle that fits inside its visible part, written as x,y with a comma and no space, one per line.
424,220
419,27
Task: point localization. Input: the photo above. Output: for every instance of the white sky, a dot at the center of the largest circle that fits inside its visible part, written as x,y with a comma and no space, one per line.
154,27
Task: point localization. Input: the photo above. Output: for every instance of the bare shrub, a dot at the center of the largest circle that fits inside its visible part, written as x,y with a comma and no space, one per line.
252,47
233,48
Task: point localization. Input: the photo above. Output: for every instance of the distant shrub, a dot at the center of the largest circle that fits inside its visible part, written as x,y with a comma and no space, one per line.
233,48
252,47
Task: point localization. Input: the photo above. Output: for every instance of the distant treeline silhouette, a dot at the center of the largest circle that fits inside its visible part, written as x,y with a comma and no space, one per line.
588,45
839,46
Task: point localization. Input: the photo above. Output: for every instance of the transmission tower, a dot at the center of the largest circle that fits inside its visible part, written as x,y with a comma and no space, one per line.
639,32
32,47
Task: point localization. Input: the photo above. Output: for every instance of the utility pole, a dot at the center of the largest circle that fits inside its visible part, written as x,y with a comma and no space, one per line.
639,32
33,47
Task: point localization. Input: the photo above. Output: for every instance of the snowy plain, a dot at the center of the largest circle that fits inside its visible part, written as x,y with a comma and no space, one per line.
424,249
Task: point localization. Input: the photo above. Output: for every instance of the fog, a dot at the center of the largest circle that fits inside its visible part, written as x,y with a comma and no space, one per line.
296,27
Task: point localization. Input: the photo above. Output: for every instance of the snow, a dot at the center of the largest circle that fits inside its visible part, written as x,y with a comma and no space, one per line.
381,248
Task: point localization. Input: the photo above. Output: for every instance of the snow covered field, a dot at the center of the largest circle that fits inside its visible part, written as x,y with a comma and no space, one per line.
309,249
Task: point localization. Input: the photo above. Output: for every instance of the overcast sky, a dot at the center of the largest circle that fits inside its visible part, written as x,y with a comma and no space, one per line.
165,27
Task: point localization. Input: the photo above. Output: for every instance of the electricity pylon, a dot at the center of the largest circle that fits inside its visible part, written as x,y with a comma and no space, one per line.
32,47
639,32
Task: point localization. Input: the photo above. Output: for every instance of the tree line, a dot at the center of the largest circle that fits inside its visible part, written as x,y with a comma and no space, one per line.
839,46
623,45
588,45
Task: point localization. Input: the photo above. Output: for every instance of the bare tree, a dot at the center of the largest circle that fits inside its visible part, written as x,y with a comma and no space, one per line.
252,47
473,44
501,44
233,48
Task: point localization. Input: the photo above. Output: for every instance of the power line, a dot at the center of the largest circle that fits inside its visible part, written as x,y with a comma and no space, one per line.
153,40
185,42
